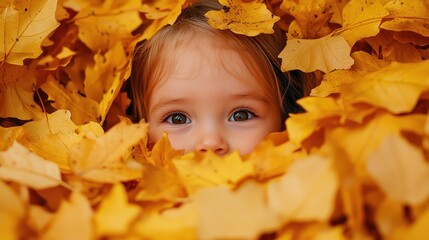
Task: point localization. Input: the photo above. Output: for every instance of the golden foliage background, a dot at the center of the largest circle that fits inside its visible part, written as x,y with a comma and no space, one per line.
354,166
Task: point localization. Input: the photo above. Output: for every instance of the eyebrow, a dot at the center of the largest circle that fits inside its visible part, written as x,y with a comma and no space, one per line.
164,102
251,96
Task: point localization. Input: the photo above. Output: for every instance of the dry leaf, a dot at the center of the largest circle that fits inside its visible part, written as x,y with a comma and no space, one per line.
408,16
52,137
24,25
325,54
400,170
211,170
299,196
83,109
73,220
20,165
361,19
115,214
105,159
16,93
395,88
11,212
311,16
224,214
249,18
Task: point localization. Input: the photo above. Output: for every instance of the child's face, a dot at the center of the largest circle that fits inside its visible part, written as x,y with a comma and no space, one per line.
210,100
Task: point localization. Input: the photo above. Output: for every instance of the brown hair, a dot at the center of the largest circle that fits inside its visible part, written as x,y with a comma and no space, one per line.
151,59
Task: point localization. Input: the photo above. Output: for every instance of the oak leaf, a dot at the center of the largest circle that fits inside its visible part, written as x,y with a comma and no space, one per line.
400,169
249,18
299,196
325,54
105,159
73,220
361,19
115,214
20,165
224,214
24,25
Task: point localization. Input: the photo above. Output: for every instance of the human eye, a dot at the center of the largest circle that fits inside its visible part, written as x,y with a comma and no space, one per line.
177,118
241,115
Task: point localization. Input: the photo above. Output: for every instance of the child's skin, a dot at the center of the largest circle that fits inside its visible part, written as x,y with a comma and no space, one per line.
210,100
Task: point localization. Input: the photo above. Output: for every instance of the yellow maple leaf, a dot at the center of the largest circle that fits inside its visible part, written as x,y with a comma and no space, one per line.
73,220
361,19
408,16
8,136
367,137
269,160
418,231
163,12
211,170
168,186
82,109
240,214
311,16
104,80
52,137
400,169
11,212
390,218
18,164
325,54
105,159
101,33
24,25
85,8
16,93
299,196
395,88
250,18
115,214
169,224
335,82
163,153
38,218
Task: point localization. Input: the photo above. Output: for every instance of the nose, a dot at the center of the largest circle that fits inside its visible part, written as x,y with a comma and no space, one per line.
212,139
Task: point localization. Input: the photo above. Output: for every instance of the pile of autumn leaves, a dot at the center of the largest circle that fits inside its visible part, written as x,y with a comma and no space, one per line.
354,166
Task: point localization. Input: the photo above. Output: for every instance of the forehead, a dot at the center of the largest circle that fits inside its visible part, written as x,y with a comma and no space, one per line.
217,53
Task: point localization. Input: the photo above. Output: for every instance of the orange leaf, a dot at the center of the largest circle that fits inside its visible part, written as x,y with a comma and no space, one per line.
326,54
400,170
249,18
24,25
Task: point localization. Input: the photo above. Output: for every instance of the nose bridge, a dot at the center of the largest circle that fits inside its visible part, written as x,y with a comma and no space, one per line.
212,136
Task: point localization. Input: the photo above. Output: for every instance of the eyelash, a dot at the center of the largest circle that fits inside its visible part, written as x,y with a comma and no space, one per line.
168,117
